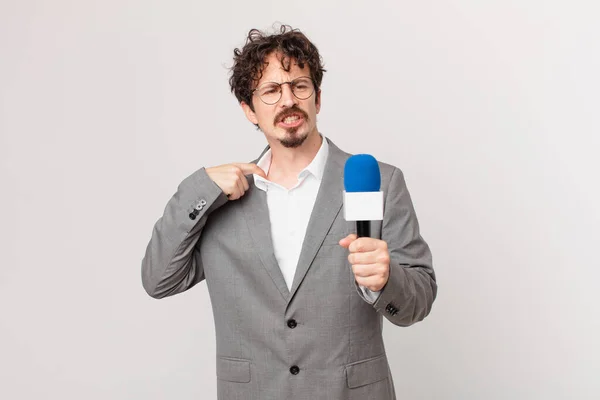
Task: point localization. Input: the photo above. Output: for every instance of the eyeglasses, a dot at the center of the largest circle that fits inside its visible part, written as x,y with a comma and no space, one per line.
270,92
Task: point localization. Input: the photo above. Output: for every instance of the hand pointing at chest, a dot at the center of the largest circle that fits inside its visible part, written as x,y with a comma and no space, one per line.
231,178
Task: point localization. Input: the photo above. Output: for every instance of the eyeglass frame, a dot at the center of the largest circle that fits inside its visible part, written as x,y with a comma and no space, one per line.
315,89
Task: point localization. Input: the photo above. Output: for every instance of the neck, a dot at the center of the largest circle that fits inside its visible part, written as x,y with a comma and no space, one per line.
286,163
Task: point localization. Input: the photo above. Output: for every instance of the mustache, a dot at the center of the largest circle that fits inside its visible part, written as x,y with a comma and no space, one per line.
290,111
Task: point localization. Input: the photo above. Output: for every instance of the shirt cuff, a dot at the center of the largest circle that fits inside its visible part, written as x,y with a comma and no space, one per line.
370,296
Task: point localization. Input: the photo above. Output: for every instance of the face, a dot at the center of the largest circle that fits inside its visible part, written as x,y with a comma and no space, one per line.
290,121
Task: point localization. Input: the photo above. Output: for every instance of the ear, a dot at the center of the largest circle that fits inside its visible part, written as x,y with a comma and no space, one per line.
249,113
318,101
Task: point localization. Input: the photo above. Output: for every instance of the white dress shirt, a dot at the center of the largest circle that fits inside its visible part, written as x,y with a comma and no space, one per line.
290,210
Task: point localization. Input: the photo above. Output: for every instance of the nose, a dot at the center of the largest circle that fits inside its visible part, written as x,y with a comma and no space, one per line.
287,97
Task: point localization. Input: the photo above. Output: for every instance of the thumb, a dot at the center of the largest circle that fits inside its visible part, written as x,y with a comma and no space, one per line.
345,242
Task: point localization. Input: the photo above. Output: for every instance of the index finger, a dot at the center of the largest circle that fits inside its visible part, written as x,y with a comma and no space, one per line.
249,168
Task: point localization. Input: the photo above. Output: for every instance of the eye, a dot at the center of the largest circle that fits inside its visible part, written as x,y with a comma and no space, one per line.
270,89
303,84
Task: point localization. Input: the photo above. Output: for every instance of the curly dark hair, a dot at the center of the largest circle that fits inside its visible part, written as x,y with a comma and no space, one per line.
249,62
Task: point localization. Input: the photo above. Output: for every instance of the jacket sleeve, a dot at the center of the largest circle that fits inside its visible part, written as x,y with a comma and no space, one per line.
172,263
411,289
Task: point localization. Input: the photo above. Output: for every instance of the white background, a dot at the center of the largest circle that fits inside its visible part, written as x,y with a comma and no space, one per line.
489,107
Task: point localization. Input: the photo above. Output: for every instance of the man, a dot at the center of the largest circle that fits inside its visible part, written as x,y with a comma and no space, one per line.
297,299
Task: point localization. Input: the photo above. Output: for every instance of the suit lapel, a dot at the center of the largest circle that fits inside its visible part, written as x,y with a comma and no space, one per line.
326,208
256,211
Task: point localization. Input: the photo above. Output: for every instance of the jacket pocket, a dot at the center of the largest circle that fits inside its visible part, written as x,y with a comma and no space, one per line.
233,370
367,371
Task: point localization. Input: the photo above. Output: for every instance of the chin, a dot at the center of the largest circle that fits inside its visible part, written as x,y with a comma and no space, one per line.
293,139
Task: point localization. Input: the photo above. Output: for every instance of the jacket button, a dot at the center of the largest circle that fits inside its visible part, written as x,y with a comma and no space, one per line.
192,216
391,309
294,370
292,323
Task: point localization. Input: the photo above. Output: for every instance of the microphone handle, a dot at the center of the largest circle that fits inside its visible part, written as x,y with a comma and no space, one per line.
363,228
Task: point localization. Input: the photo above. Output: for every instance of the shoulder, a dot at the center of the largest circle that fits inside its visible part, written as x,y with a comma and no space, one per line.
387,170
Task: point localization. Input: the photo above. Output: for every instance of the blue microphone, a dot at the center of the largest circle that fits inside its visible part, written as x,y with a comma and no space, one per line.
363,199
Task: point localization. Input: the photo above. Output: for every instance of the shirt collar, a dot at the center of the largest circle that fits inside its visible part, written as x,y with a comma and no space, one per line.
316,166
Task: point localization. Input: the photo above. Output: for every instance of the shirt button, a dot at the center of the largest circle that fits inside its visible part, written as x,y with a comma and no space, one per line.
292,323
294,370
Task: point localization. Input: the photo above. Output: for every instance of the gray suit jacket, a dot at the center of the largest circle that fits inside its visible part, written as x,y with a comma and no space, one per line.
319,340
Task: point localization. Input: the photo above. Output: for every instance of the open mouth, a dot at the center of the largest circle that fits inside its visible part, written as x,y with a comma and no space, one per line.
291,121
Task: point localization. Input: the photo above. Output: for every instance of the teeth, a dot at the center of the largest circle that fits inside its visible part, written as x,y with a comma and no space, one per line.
290,119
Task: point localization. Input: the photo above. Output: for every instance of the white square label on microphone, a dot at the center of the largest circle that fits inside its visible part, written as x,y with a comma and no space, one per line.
363,206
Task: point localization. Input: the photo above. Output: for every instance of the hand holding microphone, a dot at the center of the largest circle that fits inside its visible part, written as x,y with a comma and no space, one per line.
370,261
363,202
